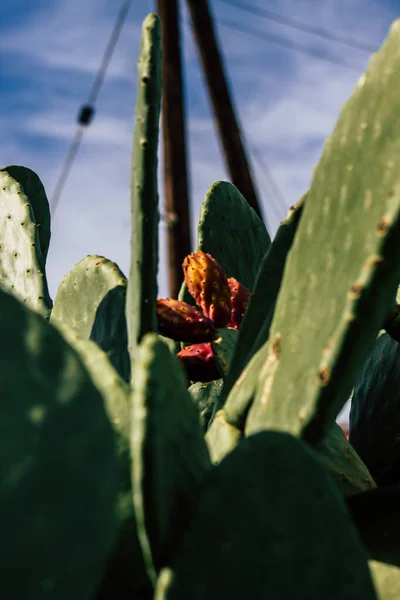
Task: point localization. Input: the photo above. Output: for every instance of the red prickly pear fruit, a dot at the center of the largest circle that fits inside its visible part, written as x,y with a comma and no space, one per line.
240,297
199,362
207,283
183,323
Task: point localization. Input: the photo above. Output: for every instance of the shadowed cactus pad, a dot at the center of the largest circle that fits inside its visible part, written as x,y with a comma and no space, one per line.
259,535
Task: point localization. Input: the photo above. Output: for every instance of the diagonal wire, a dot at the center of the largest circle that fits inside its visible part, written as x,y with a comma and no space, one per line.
93,95
288,44
301,26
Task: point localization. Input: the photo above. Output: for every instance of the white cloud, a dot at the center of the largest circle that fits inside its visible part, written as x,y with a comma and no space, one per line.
287,103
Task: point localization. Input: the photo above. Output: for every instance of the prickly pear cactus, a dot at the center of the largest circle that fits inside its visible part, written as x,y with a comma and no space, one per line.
175,471
253,522
58,468
22,266
345,249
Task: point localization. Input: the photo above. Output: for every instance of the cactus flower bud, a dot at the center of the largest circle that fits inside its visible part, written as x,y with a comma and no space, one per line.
199,362
240,297
207,283
181,322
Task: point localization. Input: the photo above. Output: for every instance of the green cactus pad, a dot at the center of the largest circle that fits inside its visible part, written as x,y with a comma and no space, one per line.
169,455
222,437
241,395
109,330
205,396
375,412
231,231
223,347
142,287
125,572
343,463
34,190
80,295
344,266
268,524
254,329
58,466
22,267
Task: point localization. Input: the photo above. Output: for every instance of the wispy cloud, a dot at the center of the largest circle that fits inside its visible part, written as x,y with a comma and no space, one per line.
287,103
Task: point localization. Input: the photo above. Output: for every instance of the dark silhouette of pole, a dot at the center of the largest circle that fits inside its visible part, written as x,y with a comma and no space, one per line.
231,139
174,138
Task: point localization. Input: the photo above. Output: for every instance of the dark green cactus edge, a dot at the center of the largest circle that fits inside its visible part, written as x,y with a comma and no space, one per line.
81,291
169,455
254,526
35,192
205,396
345,250
231,231
254,330
22,267
375,412
58,475
91,300
142,286
125,571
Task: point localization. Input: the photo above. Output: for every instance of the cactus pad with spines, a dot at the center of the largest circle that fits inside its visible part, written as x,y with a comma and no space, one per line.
109,330
343,269
245,239
82,290
169,455
35,192
343,463
254,329
265,507
58,482
205,395
142,287
125,573
22,267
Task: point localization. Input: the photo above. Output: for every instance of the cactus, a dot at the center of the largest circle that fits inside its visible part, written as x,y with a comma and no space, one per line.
223,302
22,266
254,330
375,415
254,522
329,318
121,480
33,188
205,396
142,286
165,479
58,476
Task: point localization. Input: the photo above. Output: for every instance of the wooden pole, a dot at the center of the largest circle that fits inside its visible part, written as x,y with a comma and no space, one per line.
231,139
174,143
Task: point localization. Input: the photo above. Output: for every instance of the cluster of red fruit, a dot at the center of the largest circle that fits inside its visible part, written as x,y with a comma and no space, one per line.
223,302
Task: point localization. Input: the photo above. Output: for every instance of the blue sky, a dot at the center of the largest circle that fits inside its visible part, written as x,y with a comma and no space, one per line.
287,103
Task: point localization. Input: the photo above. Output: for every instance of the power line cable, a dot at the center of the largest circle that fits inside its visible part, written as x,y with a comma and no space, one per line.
86,112
288,44
301,26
